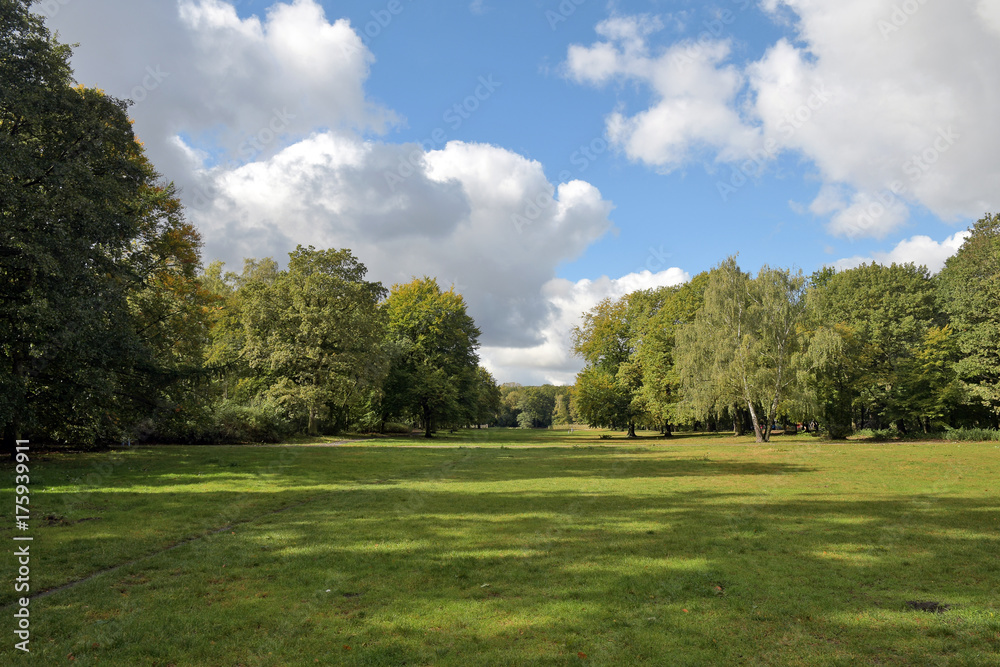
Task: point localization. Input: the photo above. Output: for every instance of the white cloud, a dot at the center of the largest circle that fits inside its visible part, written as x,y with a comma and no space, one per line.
893,103
453,216
552,360
695,95
917,249
234,88
261,122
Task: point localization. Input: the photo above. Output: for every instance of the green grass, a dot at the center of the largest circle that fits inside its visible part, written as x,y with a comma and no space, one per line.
513,547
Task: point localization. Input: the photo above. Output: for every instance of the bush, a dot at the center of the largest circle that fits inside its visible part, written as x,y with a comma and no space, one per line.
972,434
224,422
395,428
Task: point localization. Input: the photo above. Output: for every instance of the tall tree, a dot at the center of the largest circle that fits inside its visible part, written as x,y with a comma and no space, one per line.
315,331
661,384
970,290
867,323
76,201
608,387
741,344
435,370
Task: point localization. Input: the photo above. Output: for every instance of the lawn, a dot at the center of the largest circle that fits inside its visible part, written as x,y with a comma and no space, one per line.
508,547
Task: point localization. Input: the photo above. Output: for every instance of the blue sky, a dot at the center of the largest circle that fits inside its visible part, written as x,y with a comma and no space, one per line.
637,143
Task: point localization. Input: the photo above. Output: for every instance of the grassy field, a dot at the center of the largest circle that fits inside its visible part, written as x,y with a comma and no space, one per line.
508,547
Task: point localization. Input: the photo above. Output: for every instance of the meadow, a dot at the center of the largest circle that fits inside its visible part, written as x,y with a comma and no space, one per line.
500,547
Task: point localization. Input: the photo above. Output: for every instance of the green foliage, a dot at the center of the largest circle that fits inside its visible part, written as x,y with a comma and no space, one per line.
610,389
660,393
972,434
970,294
434,366
315,331
740,347
397,428
101,317
878,354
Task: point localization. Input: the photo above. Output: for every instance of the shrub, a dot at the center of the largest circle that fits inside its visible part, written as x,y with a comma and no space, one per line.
395,428
972,434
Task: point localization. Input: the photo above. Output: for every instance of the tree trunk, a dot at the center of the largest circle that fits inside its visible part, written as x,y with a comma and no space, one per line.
667,431
631,430
760,435
311,427
427,422
739,421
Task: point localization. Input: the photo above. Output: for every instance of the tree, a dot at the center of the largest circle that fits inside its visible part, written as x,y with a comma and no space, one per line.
486,403
435,370
315,332
867,323
536,405
740,346
661,384
76,201
560,413
970,294
608,387
600,401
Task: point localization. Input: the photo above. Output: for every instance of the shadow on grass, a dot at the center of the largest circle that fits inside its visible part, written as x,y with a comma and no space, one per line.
407,562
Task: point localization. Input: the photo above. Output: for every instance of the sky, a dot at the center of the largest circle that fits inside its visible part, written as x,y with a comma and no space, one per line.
541,155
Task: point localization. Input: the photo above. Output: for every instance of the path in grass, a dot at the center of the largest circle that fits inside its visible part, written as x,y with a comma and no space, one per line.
696,553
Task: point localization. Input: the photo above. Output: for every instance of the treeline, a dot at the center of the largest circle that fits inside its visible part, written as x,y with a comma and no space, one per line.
535,407
873,347
316,348
110,330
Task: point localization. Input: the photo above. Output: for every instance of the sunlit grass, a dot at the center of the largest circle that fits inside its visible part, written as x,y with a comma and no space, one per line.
514,547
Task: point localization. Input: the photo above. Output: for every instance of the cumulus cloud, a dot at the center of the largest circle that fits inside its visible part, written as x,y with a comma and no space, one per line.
892,103
552,360
920,250
694,92
264,123
209,86
474,215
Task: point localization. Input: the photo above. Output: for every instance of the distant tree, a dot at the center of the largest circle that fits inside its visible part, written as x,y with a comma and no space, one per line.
510,397
486,404
561,414
536,405
601,402
435,371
